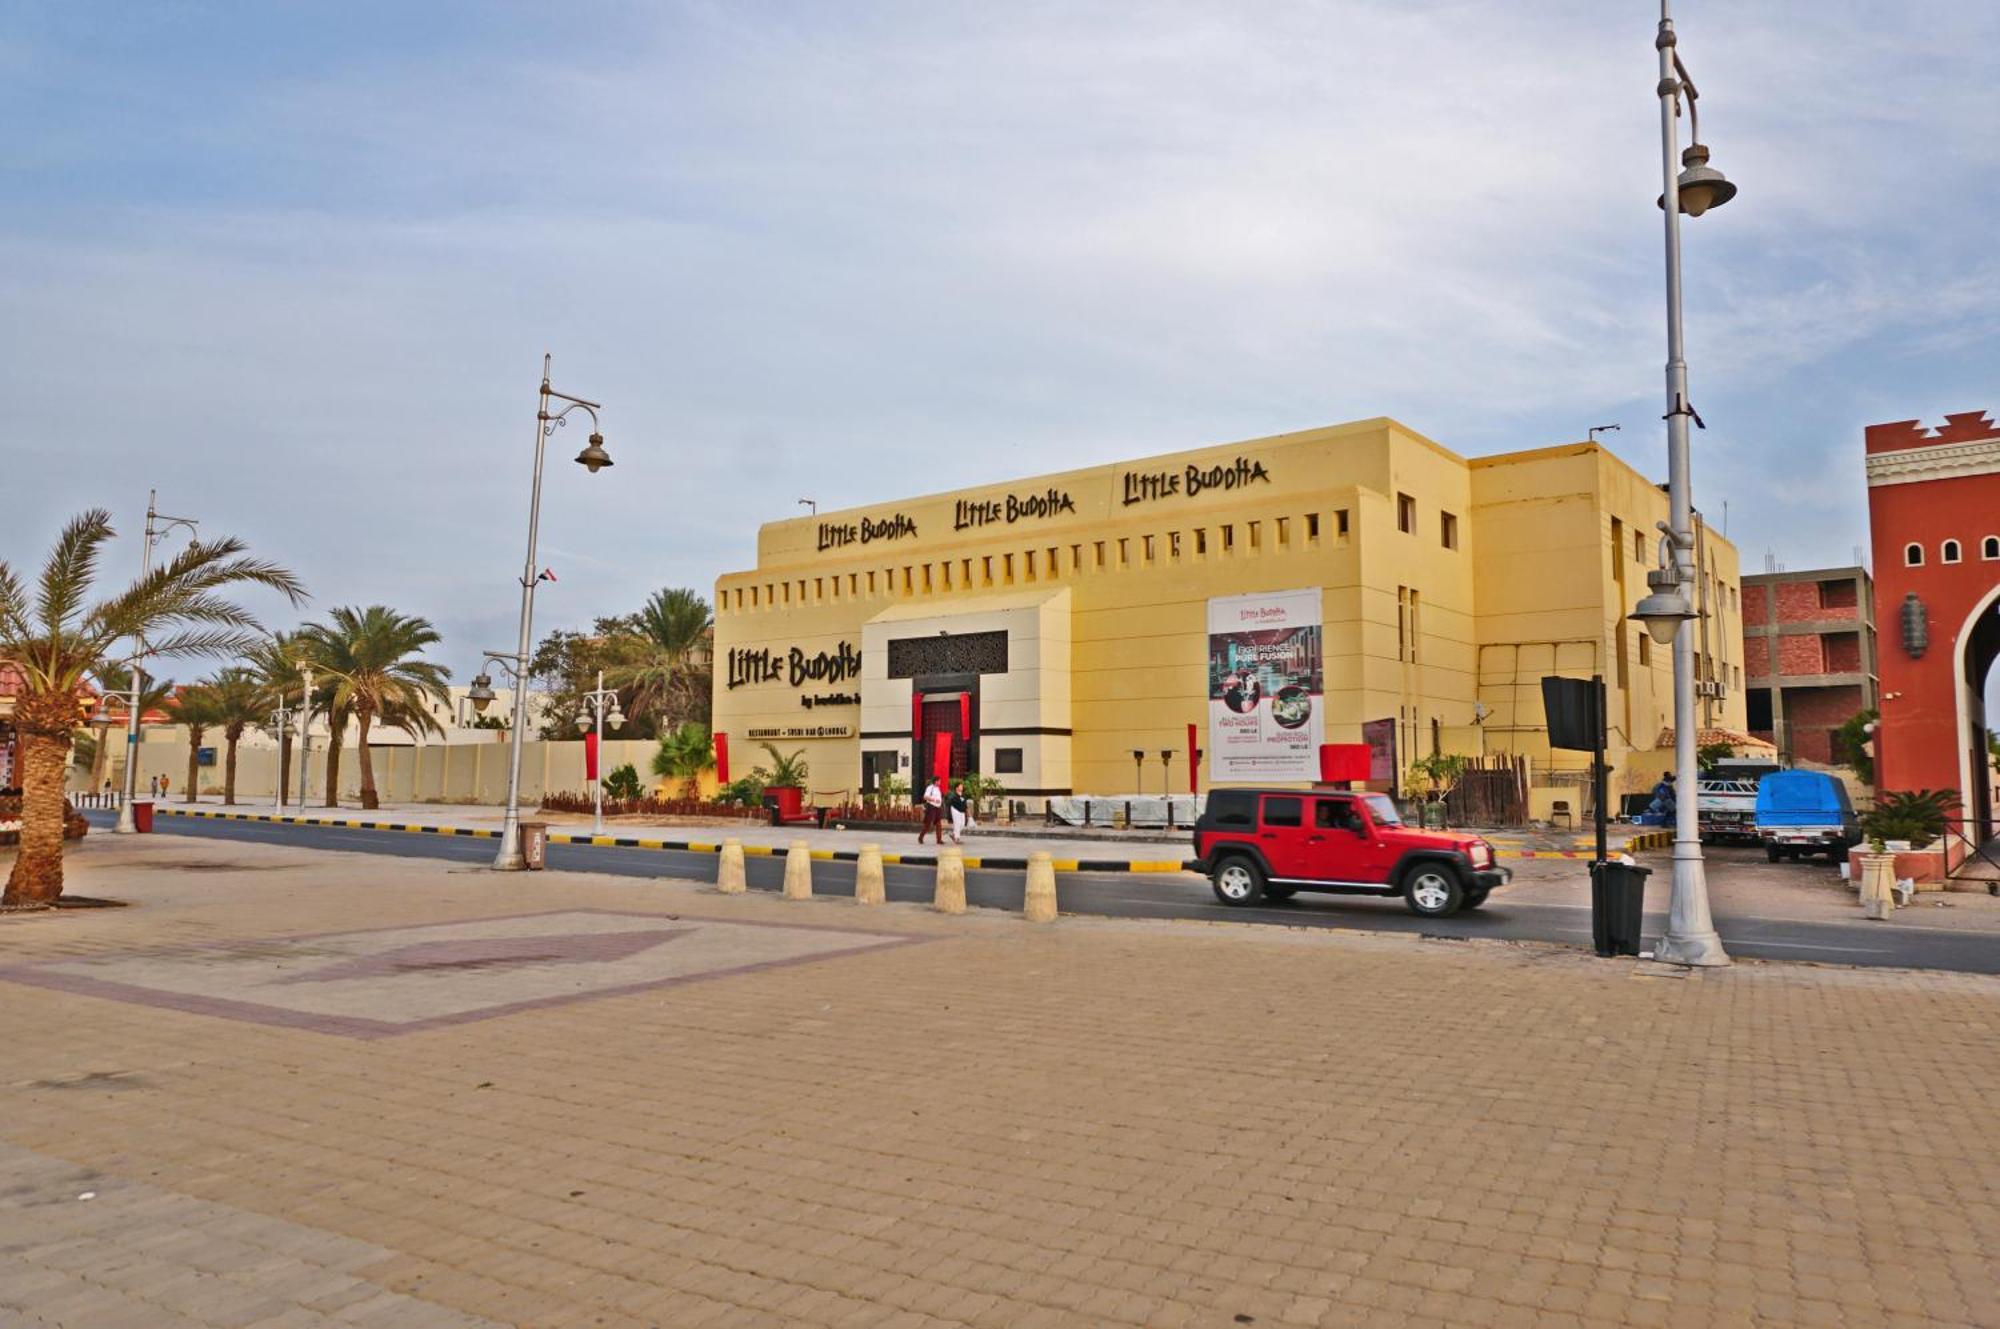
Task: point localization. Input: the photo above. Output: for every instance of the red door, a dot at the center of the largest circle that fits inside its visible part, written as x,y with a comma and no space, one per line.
1281,834
944,715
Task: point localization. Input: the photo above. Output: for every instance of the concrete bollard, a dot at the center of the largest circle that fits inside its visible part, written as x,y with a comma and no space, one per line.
729,877
868,888
949,897
1039,904
799,871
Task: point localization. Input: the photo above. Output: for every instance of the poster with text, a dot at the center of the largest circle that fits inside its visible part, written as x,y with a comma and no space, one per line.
1266,711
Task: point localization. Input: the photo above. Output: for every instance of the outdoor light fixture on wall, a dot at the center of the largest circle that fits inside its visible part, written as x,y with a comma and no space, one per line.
1916,626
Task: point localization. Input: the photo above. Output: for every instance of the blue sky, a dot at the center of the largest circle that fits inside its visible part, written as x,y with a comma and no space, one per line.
296,264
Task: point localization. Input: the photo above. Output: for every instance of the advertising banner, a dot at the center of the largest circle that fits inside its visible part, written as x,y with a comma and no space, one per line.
1266,702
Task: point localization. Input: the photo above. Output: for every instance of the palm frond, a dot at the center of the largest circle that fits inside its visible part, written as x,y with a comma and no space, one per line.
71,567
223,641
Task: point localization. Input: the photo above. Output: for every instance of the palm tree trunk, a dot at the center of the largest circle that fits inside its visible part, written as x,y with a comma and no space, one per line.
194,770
284,768
43,721
368,799
334,733
229,775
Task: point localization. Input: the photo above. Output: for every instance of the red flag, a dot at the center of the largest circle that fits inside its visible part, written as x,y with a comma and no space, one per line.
590,755
916,715
941,764
1194,760
965,715
547,575
722,759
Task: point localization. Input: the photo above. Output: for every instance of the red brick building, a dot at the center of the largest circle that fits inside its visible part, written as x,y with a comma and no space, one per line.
1934,515
1808,658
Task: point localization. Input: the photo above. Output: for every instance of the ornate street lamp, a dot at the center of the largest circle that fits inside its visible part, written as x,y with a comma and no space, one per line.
1667,612
593,458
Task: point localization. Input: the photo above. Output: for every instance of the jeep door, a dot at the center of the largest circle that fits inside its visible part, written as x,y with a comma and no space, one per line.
1281,834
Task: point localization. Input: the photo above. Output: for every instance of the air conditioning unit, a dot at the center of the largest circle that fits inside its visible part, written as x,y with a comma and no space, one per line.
1708,688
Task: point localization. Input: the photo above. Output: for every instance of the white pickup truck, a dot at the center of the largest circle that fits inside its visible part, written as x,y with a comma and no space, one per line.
1726,799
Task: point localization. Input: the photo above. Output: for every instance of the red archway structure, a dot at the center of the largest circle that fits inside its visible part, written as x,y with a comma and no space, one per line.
1934,517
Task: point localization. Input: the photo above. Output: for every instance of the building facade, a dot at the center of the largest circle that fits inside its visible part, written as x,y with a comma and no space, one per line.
1809,656
1357,583
1934,520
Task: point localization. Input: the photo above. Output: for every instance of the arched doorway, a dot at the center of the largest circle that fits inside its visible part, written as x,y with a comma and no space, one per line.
1977,647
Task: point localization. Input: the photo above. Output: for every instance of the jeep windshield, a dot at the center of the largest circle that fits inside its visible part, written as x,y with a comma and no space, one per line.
1383,810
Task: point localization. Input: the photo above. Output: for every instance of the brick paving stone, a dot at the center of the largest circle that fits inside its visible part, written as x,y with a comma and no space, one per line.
1101,1123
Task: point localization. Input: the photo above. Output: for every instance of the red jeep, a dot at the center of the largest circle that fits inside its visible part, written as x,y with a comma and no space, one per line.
1253,843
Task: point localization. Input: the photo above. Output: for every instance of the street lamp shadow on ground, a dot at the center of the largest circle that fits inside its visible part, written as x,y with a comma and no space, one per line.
593,458
1667,611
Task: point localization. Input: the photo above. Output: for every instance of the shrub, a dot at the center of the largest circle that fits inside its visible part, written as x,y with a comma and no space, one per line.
1918,816
623,783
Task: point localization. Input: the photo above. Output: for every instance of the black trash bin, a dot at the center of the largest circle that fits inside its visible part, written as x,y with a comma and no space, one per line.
1617,906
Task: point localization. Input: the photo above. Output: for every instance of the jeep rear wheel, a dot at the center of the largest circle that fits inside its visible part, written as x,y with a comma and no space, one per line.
1432,890
1238,881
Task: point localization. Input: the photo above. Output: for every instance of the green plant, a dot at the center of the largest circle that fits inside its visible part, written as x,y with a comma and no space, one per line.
684,754
1433,776
890,790
747,791
1850,744
1708,754
983,792
623,782
1917,816
787,772
371,657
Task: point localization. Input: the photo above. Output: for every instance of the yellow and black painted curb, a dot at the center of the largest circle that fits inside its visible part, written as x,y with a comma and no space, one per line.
1633,844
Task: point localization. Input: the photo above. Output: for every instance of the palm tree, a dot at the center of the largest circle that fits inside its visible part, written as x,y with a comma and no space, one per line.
369,655
683,755
195,707
664,657
116,682
240,702
56,639
275,666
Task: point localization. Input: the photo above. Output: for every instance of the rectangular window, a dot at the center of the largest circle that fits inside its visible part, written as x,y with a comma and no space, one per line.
1402,622
1256,533
1200,542
1055,562
1007,569
1283,811
1448,530
1638,546
1312,528
1416,623
819,589
1406,514
1146,542
1006,761
1174,545
788,592
1340,525
1076,558
854,583
871,583
1124,554
1028,565
1645,647
1284,532
986,570
1228,538
1097,549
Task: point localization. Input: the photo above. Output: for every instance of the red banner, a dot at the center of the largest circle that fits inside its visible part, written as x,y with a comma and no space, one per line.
916,715
590,755
965,715
722,759
1194,760
941,761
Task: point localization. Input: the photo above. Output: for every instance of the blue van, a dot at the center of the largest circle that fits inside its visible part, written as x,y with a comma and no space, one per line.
1805,812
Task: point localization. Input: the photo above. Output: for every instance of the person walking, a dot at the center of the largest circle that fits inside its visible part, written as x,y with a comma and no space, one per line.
155,787
933,812
956,803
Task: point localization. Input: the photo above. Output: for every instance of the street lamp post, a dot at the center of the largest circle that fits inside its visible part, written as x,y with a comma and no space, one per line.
600,706
305,712
593,458
157,525
1667,611
280,718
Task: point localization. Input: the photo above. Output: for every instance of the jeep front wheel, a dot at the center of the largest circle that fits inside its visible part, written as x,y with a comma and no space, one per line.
1237,881
1432,890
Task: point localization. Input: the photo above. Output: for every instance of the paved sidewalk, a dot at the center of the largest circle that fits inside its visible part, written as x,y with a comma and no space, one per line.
1071,853
613,1103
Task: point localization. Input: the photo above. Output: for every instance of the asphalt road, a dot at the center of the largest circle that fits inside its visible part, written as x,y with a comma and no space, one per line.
1185,896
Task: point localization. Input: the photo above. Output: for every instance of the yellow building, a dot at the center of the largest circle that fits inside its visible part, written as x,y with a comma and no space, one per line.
1336,585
